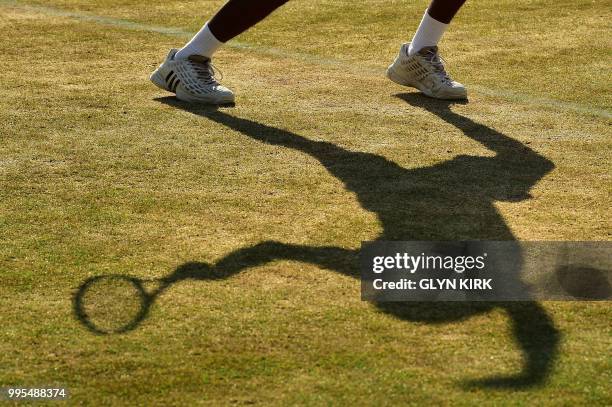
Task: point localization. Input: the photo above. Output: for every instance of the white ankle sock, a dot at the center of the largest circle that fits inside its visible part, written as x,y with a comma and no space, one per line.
203,43
427,35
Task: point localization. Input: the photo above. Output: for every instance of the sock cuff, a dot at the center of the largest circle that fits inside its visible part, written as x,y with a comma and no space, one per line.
207,27
203,43
432,20
428,34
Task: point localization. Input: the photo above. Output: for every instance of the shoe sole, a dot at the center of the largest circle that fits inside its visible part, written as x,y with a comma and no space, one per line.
395,77
158,81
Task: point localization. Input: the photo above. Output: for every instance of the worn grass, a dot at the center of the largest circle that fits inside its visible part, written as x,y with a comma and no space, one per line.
98,175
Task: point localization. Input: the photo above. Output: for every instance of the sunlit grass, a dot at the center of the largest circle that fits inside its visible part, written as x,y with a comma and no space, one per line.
98,176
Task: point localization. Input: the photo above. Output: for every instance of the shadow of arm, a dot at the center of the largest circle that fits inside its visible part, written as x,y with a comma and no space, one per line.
333,258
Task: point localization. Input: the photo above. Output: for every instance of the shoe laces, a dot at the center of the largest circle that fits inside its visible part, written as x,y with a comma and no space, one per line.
431,55
204,69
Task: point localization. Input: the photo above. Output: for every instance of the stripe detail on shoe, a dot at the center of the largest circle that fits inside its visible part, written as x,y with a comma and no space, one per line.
171,83
169,75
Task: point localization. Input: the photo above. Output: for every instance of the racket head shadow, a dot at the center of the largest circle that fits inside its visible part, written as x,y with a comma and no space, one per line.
111,304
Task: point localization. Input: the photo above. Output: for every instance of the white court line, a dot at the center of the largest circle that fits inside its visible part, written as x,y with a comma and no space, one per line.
309,58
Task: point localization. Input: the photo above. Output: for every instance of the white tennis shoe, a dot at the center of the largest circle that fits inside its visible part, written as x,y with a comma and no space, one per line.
425,71
192,80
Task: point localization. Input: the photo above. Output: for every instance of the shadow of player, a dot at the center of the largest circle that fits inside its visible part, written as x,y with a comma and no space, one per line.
452,200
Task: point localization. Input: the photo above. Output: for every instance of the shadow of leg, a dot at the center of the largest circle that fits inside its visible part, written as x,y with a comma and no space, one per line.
538,338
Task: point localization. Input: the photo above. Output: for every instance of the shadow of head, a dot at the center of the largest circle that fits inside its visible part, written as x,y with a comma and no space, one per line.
584,282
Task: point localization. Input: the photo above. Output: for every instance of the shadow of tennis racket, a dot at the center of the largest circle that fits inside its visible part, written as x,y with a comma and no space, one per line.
115,304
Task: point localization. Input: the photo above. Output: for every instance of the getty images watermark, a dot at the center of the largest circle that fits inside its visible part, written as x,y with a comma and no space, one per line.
486,271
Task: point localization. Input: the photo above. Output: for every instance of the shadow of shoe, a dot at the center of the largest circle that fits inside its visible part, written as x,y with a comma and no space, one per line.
195,108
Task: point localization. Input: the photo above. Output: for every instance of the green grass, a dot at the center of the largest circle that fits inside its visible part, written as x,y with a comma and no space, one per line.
98,175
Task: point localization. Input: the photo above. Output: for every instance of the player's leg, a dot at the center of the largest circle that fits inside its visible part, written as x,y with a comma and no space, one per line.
234,18
435,21
418,64
188,71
